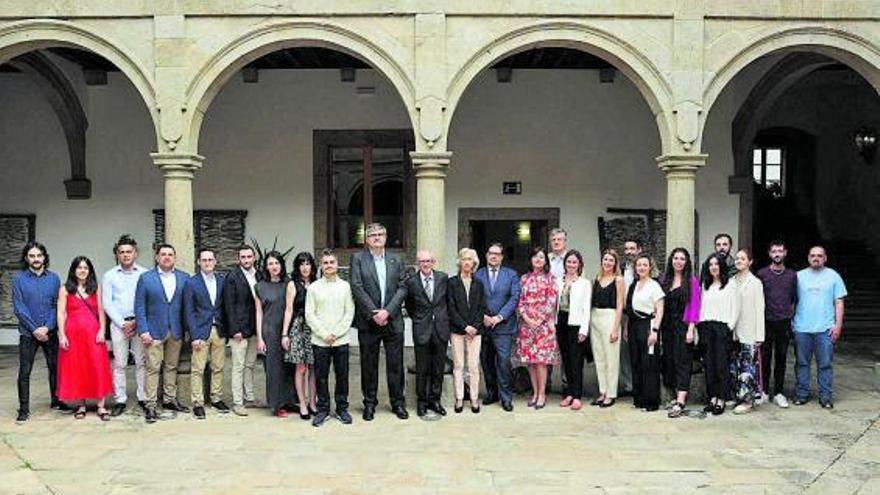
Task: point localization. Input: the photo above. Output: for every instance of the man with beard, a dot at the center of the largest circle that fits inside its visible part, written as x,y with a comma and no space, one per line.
34,297
240,309
780,293
632,249
723,243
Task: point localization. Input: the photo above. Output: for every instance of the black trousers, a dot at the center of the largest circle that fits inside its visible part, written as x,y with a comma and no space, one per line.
430,364
27,352
678,357
716,363
370,340
338,356
776,339
572,353
645,365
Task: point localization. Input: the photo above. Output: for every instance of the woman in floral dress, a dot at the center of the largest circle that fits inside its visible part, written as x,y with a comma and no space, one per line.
536,338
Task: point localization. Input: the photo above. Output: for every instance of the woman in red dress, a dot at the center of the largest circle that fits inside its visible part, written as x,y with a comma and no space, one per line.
536,339
83,364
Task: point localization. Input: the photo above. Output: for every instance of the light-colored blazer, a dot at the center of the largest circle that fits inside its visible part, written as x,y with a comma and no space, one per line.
579,303
749,326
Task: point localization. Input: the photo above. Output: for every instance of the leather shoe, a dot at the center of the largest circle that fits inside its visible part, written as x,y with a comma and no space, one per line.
507,406
320,419
60,406
369,413
143,405
490,399
344,417
117,410
220,406
150,415
199,412
400,412
437,408
421,410
175,405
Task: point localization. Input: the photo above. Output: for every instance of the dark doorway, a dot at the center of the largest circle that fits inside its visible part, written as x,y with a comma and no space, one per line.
517,236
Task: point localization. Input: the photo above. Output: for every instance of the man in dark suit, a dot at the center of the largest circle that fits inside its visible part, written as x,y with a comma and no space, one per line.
378,291
158,309
239,306
426,305
203,310
501,285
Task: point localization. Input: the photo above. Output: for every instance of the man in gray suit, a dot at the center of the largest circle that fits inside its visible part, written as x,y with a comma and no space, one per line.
377,286
426,305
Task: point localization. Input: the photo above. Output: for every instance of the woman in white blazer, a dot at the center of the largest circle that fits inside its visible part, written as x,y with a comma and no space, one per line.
748,332
572,326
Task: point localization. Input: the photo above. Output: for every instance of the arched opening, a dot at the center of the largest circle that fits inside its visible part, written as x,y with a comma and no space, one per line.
312,144
785,129
76,137
552,136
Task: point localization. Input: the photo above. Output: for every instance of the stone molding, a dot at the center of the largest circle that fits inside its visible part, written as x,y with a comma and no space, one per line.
178,165
430,164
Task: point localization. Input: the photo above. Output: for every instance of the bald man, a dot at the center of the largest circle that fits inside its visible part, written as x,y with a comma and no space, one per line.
426,305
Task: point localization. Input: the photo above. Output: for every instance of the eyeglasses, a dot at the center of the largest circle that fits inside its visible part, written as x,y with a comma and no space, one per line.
425,261
376,234
496,253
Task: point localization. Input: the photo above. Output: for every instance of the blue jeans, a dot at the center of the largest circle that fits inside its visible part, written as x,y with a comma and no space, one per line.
806,344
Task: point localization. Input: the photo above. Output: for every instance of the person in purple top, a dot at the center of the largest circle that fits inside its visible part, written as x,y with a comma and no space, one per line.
680,317
780,294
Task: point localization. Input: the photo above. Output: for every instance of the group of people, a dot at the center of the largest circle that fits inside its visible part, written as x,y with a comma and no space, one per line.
639,330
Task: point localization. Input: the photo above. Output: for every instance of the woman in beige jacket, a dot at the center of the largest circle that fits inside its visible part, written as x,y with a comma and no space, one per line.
748,332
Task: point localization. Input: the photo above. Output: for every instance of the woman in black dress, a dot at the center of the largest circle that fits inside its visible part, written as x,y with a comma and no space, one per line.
299,338
274,304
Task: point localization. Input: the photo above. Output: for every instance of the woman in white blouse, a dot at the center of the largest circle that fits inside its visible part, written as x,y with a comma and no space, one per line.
644,308
748,332
719,308
572,326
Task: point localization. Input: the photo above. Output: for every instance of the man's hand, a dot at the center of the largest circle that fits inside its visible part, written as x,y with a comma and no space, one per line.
331,339
488,321
146,339
835,333
380,317
237,337
198,344
128,328
41,334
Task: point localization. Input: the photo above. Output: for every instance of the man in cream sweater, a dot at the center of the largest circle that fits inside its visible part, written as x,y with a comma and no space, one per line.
329,313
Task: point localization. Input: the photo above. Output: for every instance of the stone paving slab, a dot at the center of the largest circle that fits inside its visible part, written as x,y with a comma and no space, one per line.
619,450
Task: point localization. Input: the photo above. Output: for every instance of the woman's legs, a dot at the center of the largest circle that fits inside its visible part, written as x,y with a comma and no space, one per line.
533,379
458,366
541,379
473,364
299,379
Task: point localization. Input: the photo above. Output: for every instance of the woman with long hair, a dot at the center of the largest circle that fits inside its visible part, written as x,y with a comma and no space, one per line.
536,338
681,313
719,308
573,326
297,342
274,310
644,308
748,333
83,363
606,313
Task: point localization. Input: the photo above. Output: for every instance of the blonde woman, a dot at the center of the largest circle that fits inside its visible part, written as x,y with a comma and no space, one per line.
607,305
467,305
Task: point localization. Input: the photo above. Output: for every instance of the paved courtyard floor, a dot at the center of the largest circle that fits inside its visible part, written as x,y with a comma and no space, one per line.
554,450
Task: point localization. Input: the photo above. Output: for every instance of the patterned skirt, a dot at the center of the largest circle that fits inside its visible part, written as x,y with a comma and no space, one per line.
300,343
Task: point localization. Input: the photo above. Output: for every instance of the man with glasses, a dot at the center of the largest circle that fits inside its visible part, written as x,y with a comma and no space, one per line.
378,290
501,285
426,305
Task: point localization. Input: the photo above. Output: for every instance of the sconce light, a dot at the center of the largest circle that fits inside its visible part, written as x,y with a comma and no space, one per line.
865,140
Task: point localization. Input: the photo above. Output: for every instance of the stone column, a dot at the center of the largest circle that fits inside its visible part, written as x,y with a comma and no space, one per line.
179,169
681,174
431,167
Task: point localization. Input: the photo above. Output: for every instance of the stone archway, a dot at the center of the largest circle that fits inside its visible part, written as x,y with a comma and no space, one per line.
648,79
250,46
22,37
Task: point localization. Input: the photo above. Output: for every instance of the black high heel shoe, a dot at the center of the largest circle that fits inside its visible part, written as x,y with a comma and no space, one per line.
458,408
475,409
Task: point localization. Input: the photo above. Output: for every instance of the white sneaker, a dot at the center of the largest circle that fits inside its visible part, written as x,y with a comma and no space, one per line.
742,408
780,401
761,398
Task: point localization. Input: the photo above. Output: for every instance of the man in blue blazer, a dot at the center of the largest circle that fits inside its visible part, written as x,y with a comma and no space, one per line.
501,285
158,310
203,311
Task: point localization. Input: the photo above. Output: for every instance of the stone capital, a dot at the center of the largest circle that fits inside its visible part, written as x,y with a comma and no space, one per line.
178,165
681,166
430,164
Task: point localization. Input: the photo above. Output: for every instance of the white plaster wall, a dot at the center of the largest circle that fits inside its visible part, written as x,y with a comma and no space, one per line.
574,143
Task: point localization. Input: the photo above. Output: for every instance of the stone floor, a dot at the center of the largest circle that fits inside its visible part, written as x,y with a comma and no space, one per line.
554,450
